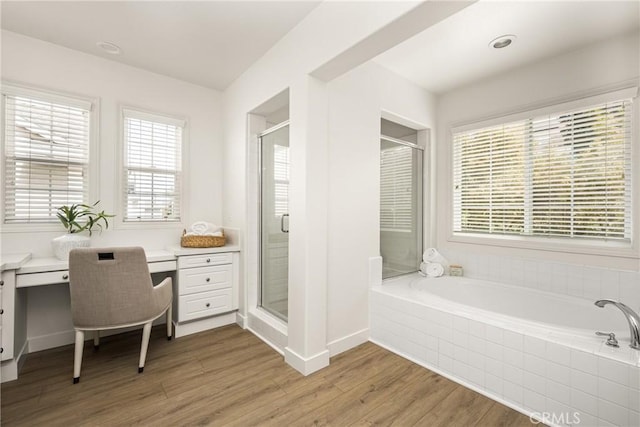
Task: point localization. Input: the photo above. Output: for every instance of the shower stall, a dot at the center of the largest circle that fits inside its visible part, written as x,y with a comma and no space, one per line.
274,220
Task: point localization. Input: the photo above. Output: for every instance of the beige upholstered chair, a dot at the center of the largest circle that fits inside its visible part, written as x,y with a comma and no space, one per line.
111,288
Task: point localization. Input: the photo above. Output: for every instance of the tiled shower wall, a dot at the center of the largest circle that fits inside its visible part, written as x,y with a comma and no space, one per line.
576,280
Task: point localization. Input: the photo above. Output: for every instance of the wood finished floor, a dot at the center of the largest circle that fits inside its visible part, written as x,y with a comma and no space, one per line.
229,377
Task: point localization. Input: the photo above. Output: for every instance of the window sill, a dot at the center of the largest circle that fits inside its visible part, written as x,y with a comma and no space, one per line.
33,228
610,249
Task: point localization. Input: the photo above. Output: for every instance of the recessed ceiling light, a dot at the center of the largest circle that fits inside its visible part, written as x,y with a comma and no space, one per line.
502,41
109,48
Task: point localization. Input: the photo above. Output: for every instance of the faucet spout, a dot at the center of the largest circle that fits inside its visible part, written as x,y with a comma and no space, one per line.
632,318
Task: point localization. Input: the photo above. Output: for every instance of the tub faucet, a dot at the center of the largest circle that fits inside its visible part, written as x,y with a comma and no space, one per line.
632,318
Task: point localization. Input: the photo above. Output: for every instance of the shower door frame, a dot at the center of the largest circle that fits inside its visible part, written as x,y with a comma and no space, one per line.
273,313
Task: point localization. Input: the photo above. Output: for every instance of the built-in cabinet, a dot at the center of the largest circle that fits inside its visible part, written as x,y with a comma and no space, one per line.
205,286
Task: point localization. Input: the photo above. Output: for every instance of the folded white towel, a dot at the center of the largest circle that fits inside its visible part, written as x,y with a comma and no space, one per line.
202,228
216,234
432,255
434,269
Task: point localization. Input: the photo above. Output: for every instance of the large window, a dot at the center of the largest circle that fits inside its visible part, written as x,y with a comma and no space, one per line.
400,200
46,140
564,175
152,167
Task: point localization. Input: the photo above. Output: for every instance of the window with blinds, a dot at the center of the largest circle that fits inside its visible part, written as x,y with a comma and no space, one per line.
281,179
46,154
152,167
396,188
566,174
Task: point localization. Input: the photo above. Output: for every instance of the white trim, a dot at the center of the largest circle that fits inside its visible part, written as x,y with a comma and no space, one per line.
154,117
176,120
48,95
266,341
241,320
200,325
273,336
57,339
348,342
306,365
604,248
629,90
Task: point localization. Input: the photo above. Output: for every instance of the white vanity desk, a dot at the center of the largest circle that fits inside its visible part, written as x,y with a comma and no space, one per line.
49,271
205,293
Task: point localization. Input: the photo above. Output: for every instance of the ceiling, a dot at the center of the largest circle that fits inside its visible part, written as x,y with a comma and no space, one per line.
455,52
209,43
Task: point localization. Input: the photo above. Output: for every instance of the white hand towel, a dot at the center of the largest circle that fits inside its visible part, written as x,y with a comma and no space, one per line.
434,269
432,255
202,228
199,228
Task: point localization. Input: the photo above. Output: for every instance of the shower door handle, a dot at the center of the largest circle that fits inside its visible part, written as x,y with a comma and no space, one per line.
282,223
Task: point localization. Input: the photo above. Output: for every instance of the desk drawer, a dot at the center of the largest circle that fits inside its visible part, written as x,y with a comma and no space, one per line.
204,260
203,304
37,279
192,280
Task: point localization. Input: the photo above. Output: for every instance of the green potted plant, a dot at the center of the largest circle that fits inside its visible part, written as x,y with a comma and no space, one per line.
77,218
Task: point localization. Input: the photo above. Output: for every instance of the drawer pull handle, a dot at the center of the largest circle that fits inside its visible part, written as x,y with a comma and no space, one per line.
1,282
208,259
1,310
1,350
208,279
65,276
208,305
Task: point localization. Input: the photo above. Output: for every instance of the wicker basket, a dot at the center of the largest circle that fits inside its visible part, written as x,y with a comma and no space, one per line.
202,241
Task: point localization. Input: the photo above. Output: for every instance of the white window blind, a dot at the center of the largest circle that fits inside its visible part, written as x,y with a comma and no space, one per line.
281,179
46,151
396,189
152,167
563,175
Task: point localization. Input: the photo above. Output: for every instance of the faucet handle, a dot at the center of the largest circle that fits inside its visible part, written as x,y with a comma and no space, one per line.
611,341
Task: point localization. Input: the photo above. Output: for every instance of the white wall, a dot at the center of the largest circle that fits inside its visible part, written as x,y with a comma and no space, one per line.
564,77
327,31
40,64
52,67
356,102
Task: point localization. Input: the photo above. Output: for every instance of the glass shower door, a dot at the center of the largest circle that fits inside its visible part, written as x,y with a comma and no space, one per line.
274,221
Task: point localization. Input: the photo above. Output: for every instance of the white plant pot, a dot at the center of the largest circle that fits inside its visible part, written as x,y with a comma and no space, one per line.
62,245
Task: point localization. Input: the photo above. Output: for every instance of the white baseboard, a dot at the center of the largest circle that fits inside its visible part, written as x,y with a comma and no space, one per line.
241,320
266,341
306,365
347,343
182,329
45,342
268,330
58,339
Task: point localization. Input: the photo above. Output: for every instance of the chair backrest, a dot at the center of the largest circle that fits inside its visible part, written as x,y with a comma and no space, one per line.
109,287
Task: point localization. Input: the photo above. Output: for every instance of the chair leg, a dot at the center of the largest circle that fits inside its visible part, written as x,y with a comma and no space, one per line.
146,332
77,358
169,323
96,340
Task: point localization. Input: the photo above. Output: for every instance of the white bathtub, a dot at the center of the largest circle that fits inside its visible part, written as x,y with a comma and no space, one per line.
534,351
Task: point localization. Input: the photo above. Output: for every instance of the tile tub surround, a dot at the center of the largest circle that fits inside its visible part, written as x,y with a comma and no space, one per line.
532,374
582,281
